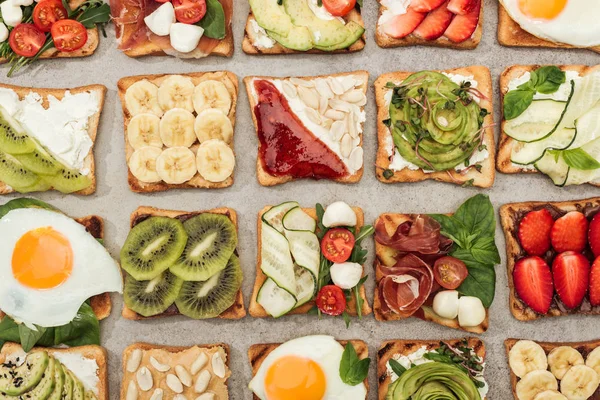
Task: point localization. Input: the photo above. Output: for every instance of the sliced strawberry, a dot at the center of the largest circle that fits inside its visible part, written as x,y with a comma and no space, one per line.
594,235
404,24
595,283
462,7
571,272
435,24
533,283
425,5
534,232
462,27
569,232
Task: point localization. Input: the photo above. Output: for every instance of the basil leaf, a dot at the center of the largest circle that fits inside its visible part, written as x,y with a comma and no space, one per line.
484,250
481,281
477,216
451,228
580,159
29,337
549,79
83,330
9,330
358,373
349,358
516,102
214,20
24,203
397,367
94,15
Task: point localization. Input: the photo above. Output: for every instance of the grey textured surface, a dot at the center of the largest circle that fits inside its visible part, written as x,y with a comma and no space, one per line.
115,202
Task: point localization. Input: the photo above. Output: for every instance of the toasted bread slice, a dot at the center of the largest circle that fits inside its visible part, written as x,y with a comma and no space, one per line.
217,385
93,123
484,179
510,217
266,179
258,352
388,349
257,311
505,143
236,311
249,39
386,256
231,82
386,41
90,352
511,34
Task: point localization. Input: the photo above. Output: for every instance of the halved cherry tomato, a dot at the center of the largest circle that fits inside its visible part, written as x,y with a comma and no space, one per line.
449,272
337,245
331,300
339,8
68,35
189,11
47,12
26,40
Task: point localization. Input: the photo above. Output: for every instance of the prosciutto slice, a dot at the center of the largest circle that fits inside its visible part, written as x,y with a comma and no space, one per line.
421,235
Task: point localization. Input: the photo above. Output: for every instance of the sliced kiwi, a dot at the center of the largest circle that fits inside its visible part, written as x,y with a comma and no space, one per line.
39,161
152,246
68,180
40,186
151,297
13,139
209,299
212,241
14,174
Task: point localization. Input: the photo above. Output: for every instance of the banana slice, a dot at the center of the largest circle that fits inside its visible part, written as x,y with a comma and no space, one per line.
142,97
526,356
215,160
593,360
213,124
143,130
550,395
579,383
562,358
534,383
212,94
176,165
176,92
177,128
142,164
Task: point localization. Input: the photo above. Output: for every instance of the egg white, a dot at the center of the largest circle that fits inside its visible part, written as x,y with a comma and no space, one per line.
326,352
94,271
576,25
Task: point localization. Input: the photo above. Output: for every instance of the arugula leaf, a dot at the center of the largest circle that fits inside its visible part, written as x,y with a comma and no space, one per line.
214,20
352,369
347,319
580,159
396,367
95,15
359,299
321,229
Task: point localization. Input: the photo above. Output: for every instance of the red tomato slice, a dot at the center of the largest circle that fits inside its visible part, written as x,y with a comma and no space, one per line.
189,11
450,272
26,40
331,300
47,12
68,35
337,245
339,8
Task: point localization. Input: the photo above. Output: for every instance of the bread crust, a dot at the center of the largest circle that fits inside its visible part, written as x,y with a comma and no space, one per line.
97,353
392,221
257,311
266,179
258,352
249,48
231,82
483,179
510,217
505,143
93,123
236,311
511,34
405,347
386,41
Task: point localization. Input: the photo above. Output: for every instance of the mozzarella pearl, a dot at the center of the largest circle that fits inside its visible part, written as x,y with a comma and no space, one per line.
470,311
160,21
339,214
185,37
11,13
3,32
346,275
445,304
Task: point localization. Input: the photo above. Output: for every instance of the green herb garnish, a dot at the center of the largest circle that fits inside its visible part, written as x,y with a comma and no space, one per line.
353,370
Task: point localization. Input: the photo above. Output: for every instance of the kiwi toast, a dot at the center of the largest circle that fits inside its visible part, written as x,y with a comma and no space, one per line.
215,271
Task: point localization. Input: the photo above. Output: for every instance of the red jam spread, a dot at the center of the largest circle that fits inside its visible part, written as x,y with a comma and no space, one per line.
287,147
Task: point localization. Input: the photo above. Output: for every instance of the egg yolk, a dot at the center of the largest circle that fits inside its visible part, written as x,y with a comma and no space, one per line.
542,9
42,259
294,378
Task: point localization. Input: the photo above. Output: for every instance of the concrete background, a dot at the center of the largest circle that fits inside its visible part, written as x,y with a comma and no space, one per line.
115,202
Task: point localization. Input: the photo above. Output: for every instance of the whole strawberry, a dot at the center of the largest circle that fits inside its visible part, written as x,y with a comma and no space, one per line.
571,272
534,232
570,232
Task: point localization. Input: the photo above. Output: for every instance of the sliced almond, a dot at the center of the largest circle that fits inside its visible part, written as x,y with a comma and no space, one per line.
324,89
326,123
289,90
158,365
302,82
309,97
132,391
346,146
144,379
336,87
157,395
358,83
356,158
183,375
313,115
218,365
202,381
353,96
207,396
338,128
174,383
352,126
340,105
347,83
134,360
335,114
180,397
323,105
199,363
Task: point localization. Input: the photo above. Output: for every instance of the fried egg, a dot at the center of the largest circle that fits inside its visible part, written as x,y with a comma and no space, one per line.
573,22
49,266
306,368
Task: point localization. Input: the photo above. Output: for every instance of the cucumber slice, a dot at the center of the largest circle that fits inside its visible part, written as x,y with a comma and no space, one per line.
577,176
555,167
305,249
306,284
588,127
530,153
297,220
275,215
276,260
274,300
538,122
